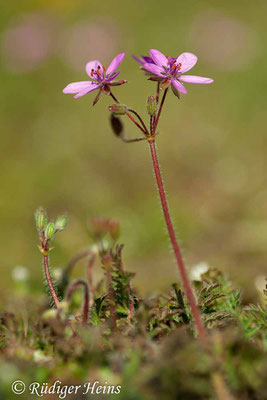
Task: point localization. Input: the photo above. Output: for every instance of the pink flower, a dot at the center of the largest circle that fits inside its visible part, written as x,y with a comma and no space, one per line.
101,78
169,71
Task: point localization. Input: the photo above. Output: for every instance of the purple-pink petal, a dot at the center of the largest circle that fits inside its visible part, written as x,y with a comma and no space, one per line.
93,65
178,86
158,57
115,63
77,87
143,60
155,69
139,60
148,59
187,61
110,78
84,92
195,79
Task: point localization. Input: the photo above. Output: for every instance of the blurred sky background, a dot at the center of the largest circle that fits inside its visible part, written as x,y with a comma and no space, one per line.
60,153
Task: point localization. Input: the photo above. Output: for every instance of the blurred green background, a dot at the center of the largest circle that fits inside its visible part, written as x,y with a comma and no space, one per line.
60,153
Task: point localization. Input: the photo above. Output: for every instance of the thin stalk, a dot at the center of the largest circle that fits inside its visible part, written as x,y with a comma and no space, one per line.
90,279
219,385
152,121
132,140
130,116
140,119
157,93
49,281
160,109
153,118
86,297
76,258
186,283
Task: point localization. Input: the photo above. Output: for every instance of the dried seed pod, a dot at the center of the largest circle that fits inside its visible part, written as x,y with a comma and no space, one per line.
116,125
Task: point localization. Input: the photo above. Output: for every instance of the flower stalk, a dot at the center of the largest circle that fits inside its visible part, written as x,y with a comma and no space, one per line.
49,278
91,263
177,252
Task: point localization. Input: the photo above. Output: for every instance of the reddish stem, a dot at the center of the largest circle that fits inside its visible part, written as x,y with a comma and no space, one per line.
76,258
157,93
49,281
90,279
177,252
130,116
86,298
141,120
160,109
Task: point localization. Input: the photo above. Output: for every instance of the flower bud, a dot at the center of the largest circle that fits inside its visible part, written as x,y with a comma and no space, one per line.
61,222
114,229
40,219
50,230
151,105
118,109
100,227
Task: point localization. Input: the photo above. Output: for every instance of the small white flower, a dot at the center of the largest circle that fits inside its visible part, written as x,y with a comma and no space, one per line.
197,270
260,283
94,249
20,273
58,272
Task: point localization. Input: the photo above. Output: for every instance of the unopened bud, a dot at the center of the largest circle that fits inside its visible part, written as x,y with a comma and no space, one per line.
117,83
114,229
118,109
40,219
50,230
100,226
61,222
151,105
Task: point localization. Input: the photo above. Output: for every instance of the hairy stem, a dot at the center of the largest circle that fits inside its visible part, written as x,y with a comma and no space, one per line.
49,281
90,279
186,283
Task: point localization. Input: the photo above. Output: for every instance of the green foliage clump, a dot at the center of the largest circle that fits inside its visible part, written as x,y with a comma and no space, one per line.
146,345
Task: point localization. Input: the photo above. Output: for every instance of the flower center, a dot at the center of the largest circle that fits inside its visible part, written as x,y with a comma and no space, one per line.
176,67
173,68
97,73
